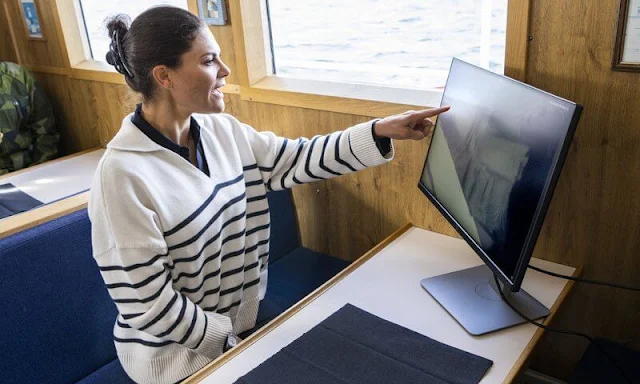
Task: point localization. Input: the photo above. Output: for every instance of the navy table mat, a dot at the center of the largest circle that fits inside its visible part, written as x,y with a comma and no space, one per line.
353,346
13,200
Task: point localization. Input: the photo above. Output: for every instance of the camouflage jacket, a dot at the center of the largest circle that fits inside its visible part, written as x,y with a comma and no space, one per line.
27,132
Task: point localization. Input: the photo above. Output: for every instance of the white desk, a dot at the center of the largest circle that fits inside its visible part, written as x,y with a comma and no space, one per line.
61,185
387,284
57,179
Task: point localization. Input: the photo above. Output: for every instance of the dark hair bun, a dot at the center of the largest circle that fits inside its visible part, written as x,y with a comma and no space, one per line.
118,26
158,36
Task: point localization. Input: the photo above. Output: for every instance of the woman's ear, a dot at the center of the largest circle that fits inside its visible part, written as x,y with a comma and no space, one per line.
162,76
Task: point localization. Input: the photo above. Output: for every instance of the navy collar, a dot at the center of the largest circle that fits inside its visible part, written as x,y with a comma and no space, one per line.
162,140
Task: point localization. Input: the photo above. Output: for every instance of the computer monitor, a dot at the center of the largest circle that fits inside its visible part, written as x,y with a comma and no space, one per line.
491,169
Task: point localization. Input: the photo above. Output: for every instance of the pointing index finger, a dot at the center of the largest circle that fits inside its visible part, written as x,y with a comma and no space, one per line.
431,112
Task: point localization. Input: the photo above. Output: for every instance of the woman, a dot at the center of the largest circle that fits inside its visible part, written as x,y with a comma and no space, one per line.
180,222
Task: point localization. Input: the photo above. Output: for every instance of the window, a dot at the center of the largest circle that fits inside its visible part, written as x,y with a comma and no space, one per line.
96,12
399,43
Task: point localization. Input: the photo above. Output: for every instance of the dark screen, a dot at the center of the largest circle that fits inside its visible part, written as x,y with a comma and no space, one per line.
492,156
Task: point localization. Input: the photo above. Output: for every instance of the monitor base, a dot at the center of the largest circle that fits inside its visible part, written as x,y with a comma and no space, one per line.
471,298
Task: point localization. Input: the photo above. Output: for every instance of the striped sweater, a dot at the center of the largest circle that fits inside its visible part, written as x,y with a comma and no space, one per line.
184,255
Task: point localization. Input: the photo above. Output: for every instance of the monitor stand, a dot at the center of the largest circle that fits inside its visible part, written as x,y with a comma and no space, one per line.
471,297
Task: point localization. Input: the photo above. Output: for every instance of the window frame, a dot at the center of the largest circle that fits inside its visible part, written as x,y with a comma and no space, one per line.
258,83
76,44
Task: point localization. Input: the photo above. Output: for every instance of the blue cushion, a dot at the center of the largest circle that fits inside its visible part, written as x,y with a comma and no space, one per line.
299,273
57,317
292,278
284,236
595,367
111,373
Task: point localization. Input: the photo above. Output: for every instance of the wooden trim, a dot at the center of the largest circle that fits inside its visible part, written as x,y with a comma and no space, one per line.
24,21
12,32
72,38
324,103
235,16
59,159
252,31
48,69
522,361
192,6
29,219
217,363
517,44
617,63
360,99
92,70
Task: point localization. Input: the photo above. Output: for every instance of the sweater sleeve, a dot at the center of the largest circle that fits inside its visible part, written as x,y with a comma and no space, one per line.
133,260
284,163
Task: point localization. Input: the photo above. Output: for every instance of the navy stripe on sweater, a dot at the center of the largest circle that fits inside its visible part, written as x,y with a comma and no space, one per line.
144,342
204,332
293,165
197,212
277,160
337,154
133,266
307,164
139,284
211,240
217,271
193,324
146,299
161,314
322,164
178,319
211,221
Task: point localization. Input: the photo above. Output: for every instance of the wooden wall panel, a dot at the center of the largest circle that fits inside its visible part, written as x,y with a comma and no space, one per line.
36,52
594,218
7,50
88,113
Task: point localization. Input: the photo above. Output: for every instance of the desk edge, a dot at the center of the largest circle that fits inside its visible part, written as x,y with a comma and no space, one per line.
43,214
223,359
46,163
526,353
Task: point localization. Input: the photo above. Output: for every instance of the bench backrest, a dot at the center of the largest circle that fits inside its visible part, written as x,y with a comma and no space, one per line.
56,317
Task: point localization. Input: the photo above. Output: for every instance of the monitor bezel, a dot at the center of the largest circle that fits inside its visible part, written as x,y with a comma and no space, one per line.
513,283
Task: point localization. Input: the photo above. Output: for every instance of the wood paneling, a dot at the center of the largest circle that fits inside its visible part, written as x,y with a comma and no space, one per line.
594,218
88,113
7,48
38,52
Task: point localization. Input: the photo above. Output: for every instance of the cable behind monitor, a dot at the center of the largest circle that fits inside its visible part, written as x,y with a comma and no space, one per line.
563,331
588,281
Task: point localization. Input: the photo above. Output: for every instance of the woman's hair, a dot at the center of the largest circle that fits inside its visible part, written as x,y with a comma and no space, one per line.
158,36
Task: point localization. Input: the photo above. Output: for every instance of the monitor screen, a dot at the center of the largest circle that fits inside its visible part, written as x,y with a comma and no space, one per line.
493,162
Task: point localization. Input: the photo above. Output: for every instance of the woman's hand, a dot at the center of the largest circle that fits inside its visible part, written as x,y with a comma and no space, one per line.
411,125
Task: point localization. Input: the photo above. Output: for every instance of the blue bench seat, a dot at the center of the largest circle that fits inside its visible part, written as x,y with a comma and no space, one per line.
57,317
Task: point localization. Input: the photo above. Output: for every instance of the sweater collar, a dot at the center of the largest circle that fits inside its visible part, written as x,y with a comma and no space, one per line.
131,138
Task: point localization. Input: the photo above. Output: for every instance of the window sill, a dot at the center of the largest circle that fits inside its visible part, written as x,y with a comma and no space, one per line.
355,99
93,70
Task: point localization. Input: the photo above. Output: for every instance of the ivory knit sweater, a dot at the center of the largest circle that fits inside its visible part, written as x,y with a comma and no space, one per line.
184,255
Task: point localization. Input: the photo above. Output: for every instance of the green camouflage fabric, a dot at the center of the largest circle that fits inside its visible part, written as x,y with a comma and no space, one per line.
27,132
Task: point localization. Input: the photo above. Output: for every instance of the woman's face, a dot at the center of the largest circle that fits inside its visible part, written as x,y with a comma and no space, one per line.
197,82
